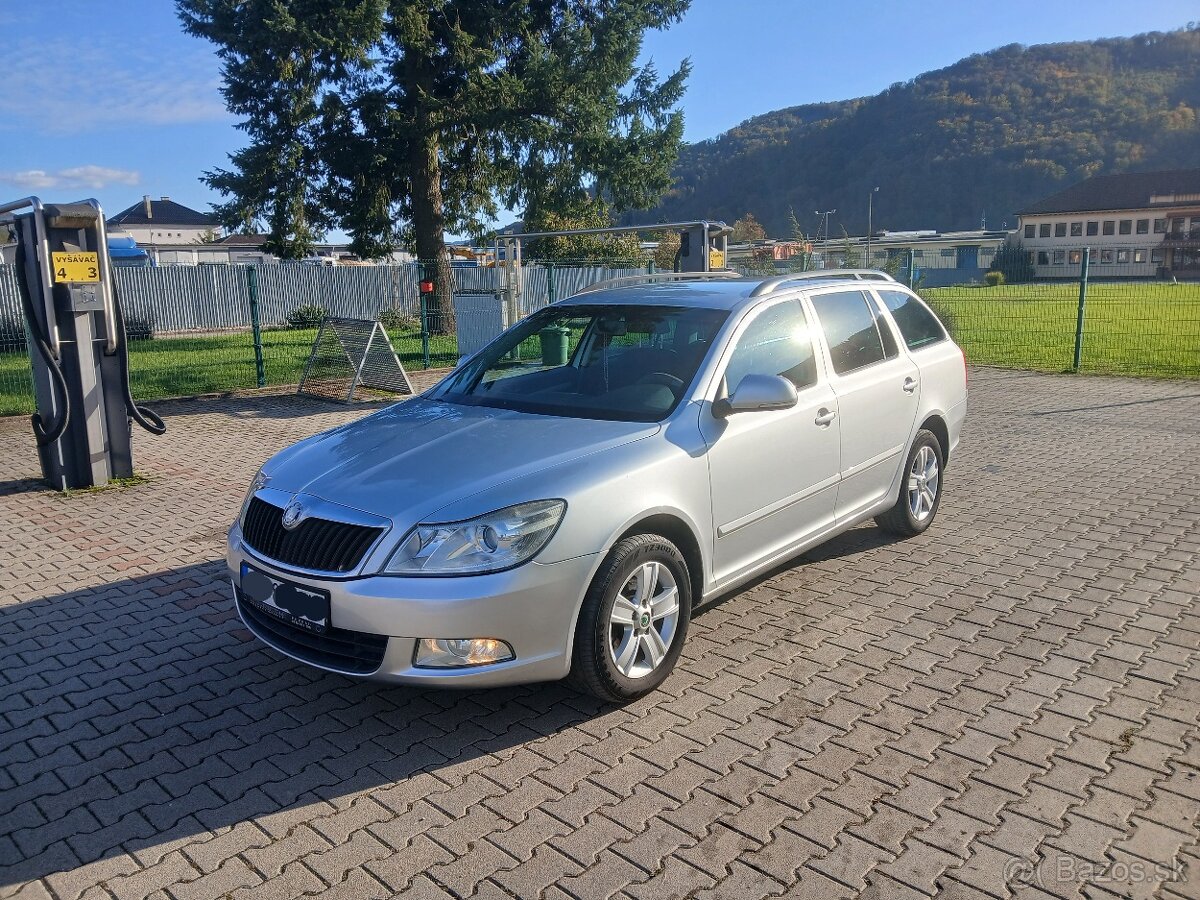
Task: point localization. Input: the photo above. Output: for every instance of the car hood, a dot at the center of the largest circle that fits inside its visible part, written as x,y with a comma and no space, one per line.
410,460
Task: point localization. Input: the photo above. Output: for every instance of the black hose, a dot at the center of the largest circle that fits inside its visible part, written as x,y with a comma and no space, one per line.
41,341
147,418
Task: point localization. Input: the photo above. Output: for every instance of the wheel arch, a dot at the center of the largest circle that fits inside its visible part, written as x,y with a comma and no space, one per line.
937,424
679,533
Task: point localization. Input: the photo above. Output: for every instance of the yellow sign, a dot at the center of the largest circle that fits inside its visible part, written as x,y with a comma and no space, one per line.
716,260
75,267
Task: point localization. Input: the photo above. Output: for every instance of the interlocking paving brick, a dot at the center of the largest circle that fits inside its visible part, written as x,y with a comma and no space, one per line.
881,719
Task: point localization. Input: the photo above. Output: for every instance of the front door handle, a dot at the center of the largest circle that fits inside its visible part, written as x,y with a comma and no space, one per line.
824,417
910,385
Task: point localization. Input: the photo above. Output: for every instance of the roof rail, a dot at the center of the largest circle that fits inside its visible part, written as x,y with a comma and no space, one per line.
656,277
779,281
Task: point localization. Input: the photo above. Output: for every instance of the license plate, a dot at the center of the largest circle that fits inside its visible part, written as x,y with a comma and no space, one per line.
303,607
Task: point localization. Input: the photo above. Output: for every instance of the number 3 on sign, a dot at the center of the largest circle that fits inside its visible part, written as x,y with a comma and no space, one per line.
76,268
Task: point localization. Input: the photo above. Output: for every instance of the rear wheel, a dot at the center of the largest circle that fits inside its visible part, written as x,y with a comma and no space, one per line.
920,489
633,621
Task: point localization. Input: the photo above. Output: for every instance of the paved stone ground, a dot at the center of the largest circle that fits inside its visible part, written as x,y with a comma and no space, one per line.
1006,704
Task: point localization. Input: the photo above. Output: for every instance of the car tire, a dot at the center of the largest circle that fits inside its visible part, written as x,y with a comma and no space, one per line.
920,488
627,642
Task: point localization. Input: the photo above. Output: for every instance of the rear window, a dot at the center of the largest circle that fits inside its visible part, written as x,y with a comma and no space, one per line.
918,326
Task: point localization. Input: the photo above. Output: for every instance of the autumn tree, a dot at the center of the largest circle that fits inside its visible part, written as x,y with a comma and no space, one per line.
666,251
398,121
748,229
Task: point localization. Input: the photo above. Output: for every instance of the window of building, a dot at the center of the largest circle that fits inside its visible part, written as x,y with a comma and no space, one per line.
850,330
948,253
1030,231
917,254
1060,229
1177,226
881,254
1043,258
1126,226
1076,229
1122,256
1143,226
1194,230
1109,226
1032,257
1044,230
1075,257
918,326
1093,228
1106,257
1060,257
1156,256
1139,256
1160,226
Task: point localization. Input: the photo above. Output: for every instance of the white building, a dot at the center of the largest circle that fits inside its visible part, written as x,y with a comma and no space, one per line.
163,221
1137,225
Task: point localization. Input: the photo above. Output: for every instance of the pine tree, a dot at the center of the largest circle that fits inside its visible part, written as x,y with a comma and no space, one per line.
398,121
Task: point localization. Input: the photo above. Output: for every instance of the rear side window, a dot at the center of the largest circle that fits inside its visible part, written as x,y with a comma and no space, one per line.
849,329
918,326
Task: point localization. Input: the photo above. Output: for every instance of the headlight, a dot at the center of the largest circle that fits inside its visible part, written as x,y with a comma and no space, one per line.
499,540
258,483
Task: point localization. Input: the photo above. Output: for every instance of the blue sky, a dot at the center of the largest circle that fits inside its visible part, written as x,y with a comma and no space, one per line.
141,113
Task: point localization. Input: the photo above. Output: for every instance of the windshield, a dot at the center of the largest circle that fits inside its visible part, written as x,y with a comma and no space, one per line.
629,363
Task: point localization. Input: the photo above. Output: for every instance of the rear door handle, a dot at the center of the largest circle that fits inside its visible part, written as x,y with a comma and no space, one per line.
824,417
910,385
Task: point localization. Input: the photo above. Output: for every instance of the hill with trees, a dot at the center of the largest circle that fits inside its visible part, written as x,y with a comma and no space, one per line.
981,138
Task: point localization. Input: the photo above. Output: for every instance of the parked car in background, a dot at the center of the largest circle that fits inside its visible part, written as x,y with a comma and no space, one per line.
565,499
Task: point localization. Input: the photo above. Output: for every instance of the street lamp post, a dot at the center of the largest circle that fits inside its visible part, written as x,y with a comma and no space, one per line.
870,221
825,227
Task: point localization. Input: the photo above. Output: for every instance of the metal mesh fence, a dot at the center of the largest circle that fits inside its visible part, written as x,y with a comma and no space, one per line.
204,329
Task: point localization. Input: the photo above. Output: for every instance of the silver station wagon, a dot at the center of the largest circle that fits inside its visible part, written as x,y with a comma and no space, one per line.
562,502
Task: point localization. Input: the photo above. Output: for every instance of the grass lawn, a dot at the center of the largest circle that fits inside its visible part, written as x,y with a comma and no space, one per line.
182,366
1143,328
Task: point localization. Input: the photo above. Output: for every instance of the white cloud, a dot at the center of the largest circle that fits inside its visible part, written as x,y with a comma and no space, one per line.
108,89
90,177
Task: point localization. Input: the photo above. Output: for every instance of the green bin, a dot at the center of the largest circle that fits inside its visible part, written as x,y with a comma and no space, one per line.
554,345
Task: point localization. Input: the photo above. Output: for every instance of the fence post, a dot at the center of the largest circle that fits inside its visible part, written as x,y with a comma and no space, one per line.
422,276
1077,360
260,370
549,282
912,261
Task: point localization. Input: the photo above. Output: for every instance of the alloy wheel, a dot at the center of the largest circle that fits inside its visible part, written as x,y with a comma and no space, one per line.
644,620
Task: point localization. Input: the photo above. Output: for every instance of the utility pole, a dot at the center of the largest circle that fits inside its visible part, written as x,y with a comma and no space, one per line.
870,221
825,227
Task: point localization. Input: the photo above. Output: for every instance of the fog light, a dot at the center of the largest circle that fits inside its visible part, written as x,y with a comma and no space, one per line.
448,653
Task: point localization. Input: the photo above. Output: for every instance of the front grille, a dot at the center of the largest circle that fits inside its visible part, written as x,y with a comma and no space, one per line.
318,544
341,649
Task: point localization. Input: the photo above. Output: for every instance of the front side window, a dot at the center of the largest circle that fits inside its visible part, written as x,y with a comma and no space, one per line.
850,330
623,362
918,326
777,342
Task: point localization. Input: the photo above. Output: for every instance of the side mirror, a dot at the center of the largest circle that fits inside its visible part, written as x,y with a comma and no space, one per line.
757,393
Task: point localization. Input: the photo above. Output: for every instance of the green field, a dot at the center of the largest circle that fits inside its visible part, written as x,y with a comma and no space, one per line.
1145,328
1148,328
185,366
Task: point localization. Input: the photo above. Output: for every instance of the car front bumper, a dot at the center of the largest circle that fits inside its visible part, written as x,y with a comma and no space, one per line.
532,607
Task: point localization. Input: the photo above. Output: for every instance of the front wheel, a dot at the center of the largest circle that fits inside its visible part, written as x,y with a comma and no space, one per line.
920,489
633,621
